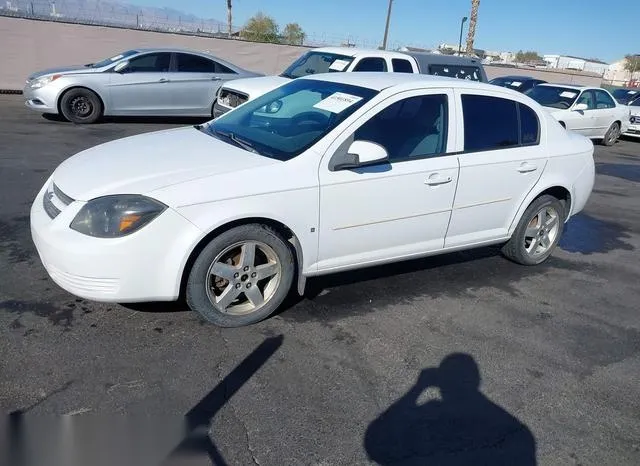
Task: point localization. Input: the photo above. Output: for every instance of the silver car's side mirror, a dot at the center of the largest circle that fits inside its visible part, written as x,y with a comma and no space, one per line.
121,67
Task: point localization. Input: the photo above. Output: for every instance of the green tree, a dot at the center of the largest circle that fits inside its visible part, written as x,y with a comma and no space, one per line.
632,63
261,28
528,56
293,34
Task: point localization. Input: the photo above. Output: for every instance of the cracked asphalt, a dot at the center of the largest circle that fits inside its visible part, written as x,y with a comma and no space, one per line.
458,359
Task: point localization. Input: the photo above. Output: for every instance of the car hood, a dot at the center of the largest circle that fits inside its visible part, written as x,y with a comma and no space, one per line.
144,163
255,87
74,69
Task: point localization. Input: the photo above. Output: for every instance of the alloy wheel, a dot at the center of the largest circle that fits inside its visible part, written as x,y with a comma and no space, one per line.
542,232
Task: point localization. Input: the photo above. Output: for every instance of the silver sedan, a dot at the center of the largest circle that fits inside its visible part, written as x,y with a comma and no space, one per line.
141,82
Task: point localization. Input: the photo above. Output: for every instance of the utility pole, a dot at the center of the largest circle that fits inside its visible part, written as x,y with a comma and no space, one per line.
386,28
229,18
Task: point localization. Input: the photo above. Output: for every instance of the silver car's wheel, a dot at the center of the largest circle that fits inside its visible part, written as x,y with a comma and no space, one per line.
612,135
80,105
542,231
243,278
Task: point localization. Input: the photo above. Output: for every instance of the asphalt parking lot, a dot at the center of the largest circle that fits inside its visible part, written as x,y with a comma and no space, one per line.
373,366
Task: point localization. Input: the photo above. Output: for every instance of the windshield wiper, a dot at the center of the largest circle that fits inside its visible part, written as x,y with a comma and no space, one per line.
238,142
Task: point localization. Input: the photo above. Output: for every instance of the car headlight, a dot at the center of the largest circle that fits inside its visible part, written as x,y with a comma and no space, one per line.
41,82
116,216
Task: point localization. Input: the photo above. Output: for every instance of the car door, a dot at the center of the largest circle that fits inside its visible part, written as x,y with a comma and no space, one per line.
194,83
500,162
582,121
395,209
141,87
605,112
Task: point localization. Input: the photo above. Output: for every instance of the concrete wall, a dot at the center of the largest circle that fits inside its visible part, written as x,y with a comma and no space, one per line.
30,45
549,75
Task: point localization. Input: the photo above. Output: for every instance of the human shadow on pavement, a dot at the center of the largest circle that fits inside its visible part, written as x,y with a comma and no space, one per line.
462,427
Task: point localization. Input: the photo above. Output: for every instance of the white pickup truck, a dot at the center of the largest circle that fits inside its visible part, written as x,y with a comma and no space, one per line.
347,59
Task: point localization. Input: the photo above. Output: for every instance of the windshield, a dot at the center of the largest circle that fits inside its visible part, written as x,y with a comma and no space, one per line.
317,62
512,83
624,96
288,120
554,96
115,58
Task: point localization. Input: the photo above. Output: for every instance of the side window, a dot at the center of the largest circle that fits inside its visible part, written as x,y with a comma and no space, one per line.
413,127
152,62
603,100
371,64
223,69
188,63
587,98
529,126
401,66
489,123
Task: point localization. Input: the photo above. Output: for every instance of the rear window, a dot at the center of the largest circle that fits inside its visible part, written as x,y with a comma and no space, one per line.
471,73
401,66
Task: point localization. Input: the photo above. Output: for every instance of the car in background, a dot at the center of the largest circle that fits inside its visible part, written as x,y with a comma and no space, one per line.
347,170
625,96
634,119
348,59
140,82
517,83
590,111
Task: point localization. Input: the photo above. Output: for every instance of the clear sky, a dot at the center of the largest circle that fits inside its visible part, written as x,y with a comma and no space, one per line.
586,28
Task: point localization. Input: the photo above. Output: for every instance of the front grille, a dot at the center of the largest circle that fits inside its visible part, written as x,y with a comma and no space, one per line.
231,98
55,200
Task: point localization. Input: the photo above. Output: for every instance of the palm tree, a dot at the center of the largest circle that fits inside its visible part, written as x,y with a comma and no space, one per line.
475,4
229,17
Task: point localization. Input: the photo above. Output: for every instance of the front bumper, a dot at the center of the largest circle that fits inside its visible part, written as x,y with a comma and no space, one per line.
42,100
633,130
144,266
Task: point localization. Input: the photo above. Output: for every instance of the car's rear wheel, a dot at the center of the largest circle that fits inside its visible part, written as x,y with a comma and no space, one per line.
537,233
81,106
612,134
241,277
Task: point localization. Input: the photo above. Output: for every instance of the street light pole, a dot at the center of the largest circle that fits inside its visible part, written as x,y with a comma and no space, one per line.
386,28
464,20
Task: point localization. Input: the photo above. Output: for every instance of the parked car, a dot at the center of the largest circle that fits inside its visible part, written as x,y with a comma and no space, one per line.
634,119
346,59
625,96
517,83
141,82
590,111
373,168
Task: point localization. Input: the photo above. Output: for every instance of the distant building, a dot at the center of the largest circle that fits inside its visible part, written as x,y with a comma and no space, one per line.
621,77
567,62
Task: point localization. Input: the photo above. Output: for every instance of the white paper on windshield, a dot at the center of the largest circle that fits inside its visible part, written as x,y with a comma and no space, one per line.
568,95
633,92
516,83
117,57
337,102
339,65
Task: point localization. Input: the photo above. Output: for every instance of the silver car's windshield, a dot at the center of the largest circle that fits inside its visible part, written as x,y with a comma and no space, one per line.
115,58
316,63
288,120
552,96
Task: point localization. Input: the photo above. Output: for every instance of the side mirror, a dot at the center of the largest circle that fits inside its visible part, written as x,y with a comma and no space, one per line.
121,67
581,107
361,154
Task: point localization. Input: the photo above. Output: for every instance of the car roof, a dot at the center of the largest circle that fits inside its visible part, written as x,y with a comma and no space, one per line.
427,58
354,52
567,86
378,81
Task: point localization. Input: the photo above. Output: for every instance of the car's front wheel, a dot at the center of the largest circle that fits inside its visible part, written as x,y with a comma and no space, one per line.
612,134
241,277
538,232
81,106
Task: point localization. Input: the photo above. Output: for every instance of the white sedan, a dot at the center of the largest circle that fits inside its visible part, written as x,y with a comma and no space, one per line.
590,111
372,168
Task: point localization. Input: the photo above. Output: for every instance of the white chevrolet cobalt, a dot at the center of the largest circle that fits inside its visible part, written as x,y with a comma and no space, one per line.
325,173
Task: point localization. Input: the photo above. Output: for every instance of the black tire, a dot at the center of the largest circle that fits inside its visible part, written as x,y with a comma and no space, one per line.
516,248
612,134
200,286
81,106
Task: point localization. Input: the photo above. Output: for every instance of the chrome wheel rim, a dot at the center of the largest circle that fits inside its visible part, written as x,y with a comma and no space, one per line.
243,278
612,134
542,232
81,106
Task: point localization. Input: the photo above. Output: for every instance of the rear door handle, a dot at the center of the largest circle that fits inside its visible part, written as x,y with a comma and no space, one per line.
436,179
163,80
216,78
527,167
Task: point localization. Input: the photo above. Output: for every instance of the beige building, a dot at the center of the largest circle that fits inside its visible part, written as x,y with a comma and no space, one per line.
618,76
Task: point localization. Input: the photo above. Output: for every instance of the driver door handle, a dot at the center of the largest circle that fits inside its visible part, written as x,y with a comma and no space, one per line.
436,179
163,80
216,78
527,167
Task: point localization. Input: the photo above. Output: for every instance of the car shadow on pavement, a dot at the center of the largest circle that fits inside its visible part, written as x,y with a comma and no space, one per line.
458,425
